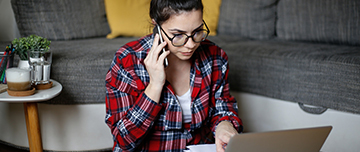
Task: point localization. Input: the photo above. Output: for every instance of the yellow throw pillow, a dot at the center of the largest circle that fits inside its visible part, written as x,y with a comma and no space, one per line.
131,18
128,18
211,14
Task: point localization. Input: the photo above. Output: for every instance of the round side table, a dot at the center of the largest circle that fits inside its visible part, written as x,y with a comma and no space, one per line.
31,112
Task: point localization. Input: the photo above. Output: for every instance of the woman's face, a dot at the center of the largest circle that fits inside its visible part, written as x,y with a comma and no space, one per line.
185,22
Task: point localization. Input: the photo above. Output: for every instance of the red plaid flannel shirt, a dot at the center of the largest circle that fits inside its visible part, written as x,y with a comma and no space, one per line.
139,124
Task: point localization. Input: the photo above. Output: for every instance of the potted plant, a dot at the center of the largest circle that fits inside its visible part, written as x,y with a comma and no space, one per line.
32,42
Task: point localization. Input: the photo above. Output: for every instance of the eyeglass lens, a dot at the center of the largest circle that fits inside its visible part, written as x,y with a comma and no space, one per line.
181,39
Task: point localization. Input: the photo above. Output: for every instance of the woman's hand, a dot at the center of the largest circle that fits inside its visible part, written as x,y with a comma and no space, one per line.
155,67
224,131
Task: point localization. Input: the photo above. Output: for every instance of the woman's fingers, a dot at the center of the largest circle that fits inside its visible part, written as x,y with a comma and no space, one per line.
155,44
163,56
154,63
220,146
224,131
156,50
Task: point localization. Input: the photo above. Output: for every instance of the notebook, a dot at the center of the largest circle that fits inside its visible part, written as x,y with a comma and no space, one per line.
296,140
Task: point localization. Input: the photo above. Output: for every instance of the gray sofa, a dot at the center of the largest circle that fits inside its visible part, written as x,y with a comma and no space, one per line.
307,51
301,51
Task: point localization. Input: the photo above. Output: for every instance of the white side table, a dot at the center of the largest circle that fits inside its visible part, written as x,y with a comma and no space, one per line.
31,112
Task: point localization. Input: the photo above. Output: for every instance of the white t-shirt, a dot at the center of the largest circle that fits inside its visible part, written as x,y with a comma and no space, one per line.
185,103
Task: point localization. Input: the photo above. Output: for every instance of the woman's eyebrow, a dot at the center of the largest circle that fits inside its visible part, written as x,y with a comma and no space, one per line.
182,31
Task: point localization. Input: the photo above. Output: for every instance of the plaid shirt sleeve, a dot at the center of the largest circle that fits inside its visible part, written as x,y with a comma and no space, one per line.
224,106
129,112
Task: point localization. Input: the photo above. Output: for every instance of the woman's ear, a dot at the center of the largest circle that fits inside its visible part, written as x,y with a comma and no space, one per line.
153,22
155,25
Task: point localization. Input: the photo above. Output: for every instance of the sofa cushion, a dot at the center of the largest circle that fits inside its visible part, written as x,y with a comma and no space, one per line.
211,14
316,74
61,20
248,18
80,66
329,21
127,18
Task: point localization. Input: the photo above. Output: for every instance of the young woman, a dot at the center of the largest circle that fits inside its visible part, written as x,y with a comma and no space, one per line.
150,107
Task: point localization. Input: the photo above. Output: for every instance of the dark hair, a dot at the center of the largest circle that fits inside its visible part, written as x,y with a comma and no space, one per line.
161,10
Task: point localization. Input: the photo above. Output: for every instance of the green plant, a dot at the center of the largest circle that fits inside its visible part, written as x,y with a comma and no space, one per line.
32,42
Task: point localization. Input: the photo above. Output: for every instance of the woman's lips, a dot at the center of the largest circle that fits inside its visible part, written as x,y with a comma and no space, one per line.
186,53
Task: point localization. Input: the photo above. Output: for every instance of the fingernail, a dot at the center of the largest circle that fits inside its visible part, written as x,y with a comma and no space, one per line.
223,146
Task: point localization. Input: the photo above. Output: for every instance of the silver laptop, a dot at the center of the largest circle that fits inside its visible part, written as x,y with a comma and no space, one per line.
297,140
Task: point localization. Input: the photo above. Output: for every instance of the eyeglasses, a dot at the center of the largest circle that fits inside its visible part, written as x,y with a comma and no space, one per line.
181,39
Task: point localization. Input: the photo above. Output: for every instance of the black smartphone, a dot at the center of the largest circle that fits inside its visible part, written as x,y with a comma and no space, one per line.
166,63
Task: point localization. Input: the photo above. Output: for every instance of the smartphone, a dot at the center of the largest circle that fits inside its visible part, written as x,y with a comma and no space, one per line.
166,63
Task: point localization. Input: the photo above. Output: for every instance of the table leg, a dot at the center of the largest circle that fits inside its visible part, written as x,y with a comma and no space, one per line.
33,126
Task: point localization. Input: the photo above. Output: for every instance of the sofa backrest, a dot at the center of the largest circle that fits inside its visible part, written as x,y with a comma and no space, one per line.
329,21
248,18
61,19
326,21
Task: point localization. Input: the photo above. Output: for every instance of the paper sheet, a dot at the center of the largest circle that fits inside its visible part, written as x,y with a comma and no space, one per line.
201,148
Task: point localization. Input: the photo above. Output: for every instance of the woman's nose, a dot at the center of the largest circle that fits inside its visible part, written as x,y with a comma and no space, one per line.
190,43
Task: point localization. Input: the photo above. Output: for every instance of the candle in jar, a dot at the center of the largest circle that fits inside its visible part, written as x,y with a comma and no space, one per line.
18,79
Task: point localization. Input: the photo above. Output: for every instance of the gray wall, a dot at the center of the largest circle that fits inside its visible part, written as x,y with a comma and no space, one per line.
8,28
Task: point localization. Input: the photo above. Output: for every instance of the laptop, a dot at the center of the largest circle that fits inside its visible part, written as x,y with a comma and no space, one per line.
296,140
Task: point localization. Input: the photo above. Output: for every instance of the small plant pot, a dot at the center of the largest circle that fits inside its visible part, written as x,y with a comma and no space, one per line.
24,64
